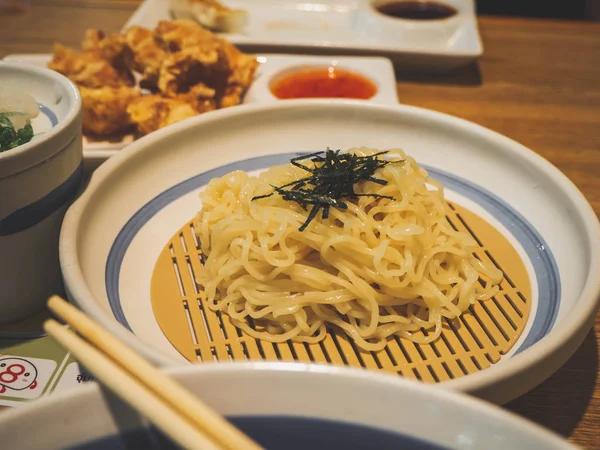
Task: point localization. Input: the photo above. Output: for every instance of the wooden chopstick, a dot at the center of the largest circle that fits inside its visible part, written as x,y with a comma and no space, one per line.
150,380
129,389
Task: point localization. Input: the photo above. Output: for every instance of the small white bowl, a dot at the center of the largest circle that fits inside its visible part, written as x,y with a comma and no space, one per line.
286,406
37,182
379,71
417,33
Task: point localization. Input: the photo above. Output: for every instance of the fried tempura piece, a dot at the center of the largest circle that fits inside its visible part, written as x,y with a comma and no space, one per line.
67,61
88,68
99,73
200,97
243,66
190,70
181,70
192,59
92,39
232,96
148,54
105,109
152,112
137,36
113,48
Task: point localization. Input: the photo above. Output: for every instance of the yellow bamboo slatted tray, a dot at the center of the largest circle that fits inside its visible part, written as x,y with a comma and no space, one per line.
470,343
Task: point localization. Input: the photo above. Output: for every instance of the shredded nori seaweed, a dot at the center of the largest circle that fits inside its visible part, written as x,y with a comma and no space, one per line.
332,179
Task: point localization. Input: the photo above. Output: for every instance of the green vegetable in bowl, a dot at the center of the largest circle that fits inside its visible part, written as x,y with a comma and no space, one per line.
16,111
11,138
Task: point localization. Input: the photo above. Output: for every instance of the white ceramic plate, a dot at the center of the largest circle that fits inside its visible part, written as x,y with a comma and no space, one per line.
353,26
286,406
379,70
113,234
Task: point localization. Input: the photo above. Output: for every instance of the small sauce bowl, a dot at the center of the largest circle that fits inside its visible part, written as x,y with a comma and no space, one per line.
322,82
282,77
420,10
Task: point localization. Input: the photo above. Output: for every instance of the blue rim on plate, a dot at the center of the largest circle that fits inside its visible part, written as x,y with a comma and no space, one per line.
537,250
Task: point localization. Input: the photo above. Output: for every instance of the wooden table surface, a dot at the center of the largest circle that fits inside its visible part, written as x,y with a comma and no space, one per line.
538,83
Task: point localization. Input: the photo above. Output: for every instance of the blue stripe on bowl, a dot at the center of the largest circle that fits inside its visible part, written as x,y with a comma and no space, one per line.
32,214
544,265
49,114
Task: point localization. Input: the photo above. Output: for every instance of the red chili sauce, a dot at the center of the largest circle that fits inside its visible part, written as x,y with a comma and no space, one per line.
326,82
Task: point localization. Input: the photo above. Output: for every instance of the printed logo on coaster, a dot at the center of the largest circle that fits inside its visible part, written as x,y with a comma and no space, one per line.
73,375
24,378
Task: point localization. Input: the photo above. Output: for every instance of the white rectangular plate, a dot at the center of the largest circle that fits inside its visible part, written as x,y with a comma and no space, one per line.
379,70
345,27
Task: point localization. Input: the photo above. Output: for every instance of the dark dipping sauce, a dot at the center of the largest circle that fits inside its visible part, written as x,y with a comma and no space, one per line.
278,433
326,82
417,10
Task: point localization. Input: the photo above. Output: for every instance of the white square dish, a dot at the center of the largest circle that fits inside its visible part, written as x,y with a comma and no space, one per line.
379,70
345,27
